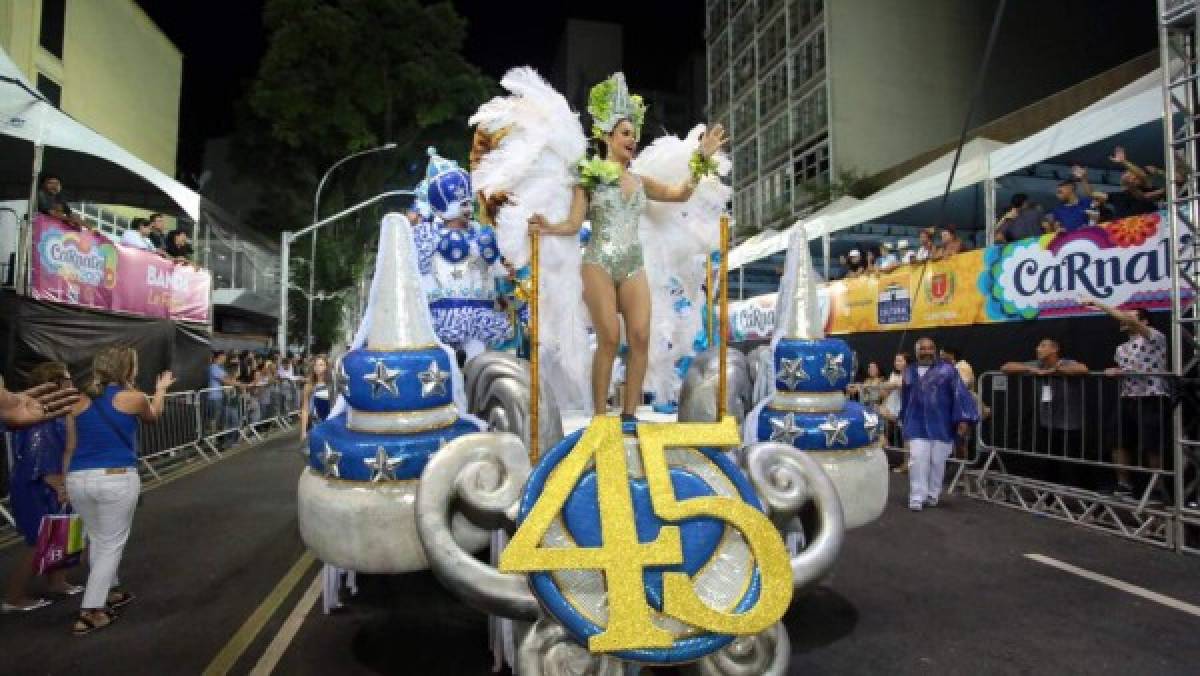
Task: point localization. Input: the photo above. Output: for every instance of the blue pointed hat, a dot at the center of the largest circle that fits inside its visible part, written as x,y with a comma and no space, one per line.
448,187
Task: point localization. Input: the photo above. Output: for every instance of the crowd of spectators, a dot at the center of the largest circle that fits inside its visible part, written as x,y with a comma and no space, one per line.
1143,190
146,234
933,245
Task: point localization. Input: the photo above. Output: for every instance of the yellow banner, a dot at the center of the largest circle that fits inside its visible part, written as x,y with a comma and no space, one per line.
940,293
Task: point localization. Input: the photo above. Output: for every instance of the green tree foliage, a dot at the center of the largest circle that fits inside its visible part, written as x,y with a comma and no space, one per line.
338,77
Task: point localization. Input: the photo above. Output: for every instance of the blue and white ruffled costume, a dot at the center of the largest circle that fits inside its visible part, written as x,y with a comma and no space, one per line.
456,258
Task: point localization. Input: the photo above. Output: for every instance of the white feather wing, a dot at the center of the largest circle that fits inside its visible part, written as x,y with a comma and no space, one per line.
676,272
534,163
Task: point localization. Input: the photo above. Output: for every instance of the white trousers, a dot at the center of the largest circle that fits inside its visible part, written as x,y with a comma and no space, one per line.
106,503
926,469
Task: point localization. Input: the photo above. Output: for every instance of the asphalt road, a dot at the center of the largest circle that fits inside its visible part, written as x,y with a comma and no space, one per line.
946,591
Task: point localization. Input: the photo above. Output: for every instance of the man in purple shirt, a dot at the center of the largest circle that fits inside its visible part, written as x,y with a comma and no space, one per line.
935,407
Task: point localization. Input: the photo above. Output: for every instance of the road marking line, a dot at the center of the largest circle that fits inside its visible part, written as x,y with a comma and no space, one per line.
1126,587
287,632
245,635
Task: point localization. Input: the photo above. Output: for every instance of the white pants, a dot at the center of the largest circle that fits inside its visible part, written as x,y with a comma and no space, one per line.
926,469
105,502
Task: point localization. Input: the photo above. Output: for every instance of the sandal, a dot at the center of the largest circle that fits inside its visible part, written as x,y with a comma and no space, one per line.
122,599
86,624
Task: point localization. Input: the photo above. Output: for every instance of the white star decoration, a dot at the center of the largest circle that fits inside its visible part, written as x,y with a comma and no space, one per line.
871,423
785,429
383,378
330,458
835,430
382,466
433,380
834,369
791,371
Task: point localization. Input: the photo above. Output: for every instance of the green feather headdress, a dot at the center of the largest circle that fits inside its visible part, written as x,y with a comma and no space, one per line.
610,101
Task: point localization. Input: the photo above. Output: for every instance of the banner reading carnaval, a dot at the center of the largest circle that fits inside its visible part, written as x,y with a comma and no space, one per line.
86,269
1123,263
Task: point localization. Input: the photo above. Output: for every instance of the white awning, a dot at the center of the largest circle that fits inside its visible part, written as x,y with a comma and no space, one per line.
766,243
1135,104
27,117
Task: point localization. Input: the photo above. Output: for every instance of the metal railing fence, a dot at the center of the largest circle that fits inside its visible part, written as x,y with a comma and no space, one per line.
1096,450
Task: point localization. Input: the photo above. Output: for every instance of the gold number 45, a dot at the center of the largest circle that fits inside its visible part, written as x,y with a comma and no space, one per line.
623,558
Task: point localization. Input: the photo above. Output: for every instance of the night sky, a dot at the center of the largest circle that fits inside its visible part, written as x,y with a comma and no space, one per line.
223,40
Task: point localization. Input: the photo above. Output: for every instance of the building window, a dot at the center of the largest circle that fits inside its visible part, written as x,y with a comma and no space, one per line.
775,139
54,21
811,167
777,195
743,28
745,161
745,209
808,60
802,14
744,119
772,91
49,89
743,70
810,115
772,43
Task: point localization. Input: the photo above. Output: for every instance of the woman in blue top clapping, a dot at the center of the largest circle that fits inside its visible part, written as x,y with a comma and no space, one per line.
102,479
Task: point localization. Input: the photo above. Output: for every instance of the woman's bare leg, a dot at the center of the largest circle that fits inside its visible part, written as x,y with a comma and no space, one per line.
633,298
600,296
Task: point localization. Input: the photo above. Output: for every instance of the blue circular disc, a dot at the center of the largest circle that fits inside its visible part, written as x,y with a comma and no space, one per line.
700,539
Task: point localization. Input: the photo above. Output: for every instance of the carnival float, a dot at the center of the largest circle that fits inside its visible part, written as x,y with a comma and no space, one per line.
616,541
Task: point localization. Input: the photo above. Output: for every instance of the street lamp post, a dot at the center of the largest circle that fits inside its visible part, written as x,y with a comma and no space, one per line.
313,245
285,252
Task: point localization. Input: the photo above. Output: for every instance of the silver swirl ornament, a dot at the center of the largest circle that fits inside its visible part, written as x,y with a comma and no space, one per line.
764,654
549,650
479,476
786,481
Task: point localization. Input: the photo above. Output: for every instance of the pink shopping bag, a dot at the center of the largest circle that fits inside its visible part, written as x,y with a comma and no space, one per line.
60,540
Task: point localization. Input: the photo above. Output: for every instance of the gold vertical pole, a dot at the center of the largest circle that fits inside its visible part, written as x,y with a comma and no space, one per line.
723,377
535,382
709,300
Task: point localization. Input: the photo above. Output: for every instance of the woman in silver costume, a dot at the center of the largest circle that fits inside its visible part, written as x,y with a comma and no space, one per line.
613,198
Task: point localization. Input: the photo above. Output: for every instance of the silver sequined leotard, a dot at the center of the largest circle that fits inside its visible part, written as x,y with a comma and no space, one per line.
615,245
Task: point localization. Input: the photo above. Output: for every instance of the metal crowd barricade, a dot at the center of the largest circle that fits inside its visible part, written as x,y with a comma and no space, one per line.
174,437
1062,446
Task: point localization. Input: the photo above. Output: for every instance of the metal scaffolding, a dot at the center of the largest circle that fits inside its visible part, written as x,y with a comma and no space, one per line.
1179,34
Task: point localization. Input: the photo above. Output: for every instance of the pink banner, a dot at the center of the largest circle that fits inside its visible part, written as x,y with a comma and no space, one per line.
87,269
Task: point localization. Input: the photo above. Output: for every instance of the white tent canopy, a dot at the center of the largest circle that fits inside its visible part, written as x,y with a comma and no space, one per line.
766,243
1133,105
27,117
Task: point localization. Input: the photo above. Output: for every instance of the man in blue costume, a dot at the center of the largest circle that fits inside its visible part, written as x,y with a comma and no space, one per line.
934,406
